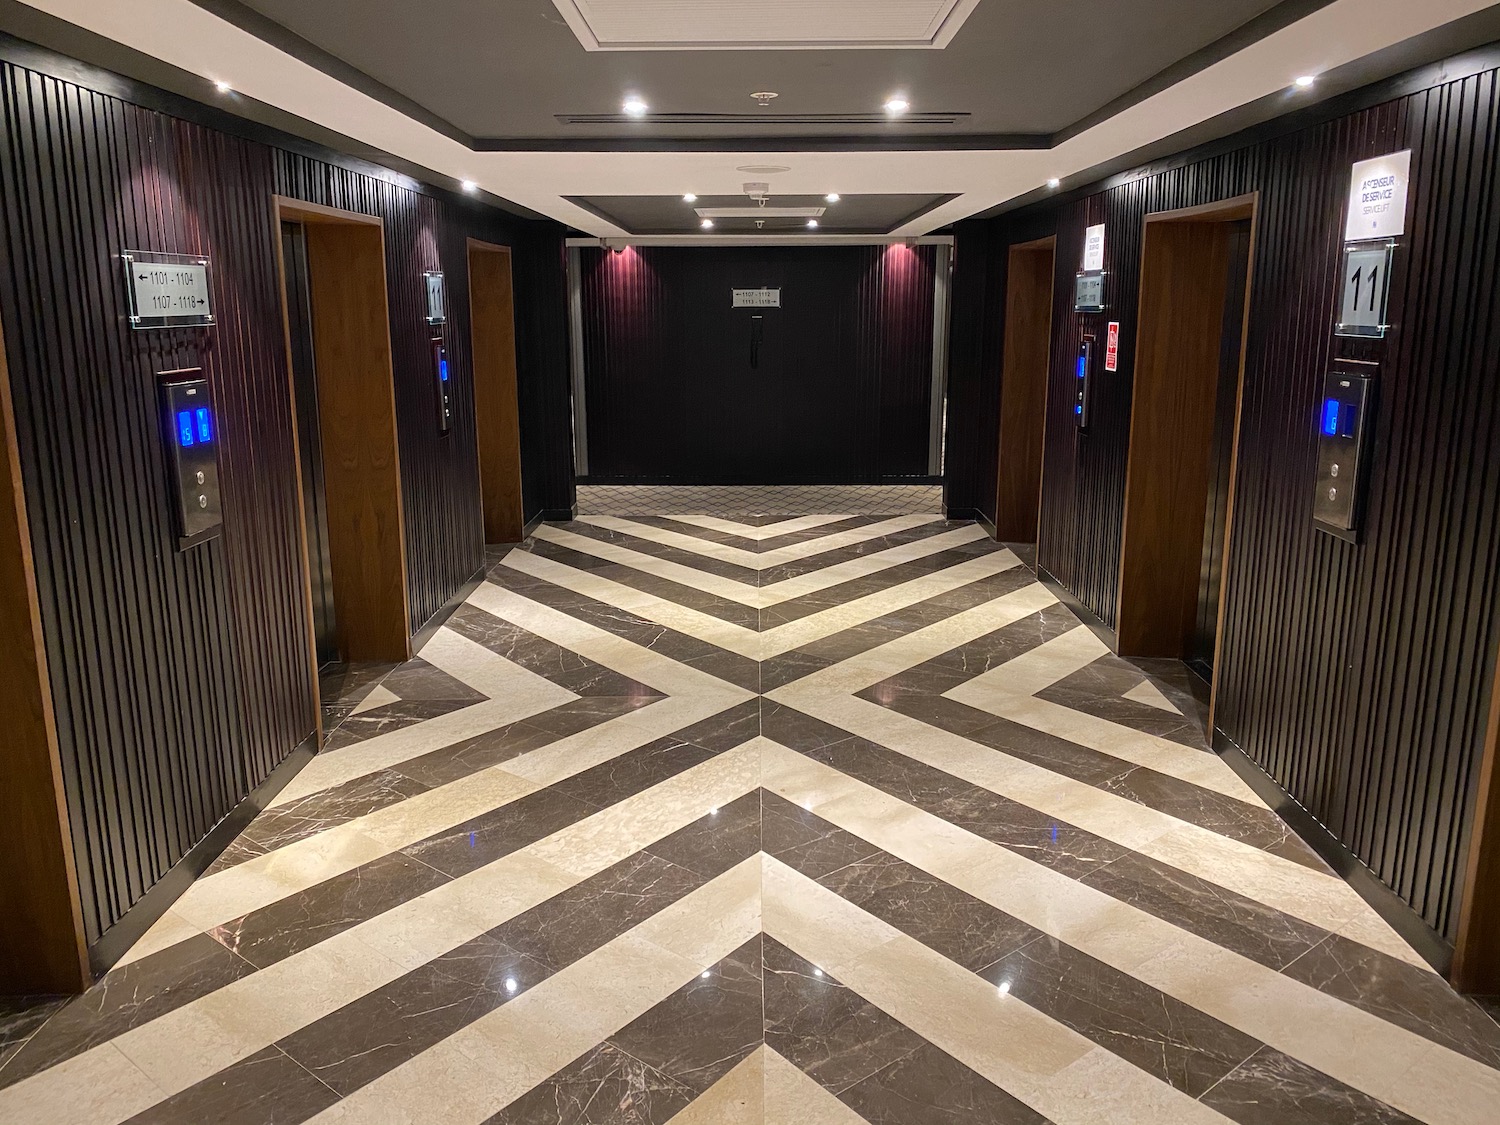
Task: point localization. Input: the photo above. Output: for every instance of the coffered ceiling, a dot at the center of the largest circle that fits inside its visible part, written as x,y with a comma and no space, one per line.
604,113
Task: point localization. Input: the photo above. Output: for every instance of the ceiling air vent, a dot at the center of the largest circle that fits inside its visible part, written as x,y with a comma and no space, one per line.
767,25
801,120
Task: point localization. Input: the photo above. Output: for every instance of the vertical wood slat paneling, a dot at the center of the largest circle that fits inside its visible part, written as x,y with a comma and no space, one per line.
844,386
180,680
1357,676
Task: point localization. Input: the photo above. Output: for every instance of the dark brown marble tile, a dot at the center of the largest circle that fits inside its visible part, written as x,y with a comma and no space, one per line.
1271,1088
299,921
604,1087
827,1031
612,781
317,812
20,1018
418,680
267,1088
469,846
469,756
1406,995
931,1087
703,1030
726,730
716,841
1253,929
376,1033
1168,1039
124,998
391,717
789,667
806,842
960,927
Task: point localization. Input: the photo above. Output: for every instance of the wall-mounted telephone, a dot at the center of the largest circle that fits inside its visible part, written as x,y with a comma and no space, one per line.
190,429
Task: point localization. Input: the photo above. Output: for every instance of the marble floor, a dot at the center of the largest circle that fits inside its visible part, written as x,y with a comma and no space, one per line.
758,500
708,820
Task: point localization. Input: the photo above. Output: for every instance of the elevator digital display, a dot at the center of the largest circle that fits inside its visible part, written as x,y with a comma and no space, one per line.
188,422
1338,496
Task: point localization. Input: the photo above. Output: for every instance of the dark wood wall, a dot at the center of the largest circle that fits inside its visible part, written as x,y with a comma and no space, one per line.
843,386
1357,676
181,680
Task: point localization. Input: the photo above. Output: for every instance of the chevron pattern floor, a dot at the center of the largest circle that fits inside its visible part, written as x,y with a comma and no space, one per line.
824,819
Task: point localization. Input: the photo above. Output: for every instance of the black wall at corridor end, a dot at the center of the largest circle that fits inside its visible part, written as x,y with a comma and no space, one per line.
181,680
843,385
1357,676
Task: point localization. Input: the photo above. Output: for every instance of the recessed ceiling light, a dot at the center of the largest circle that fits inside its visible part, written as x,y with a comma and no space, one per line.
1305,81
222,87
707,224
690,198
832,197
470,186
635,107
1054,182
897,105
812,224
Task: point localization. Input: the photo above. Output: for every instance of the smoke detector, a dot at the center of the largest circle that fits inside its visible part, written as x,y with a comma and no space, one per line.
762,169
760,192
765,97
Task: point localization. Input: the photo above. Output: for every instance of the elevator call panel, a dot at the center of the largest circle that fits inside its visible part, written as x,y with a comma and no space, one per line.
1344,434
1083,384
191,431
440,381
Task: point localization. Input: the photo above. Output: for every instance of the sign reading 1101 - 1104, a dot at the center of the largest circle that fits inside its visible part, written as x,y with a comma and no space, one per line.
168,290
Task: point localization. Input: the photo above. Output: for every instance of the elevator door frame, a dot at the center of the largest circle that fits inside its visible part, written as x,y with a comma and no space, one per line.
361,456
492,327
1022,431
1140,575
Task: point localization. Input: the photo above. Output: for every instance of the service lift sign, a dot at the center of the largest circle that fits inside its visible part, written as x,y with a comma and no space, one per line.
1377,198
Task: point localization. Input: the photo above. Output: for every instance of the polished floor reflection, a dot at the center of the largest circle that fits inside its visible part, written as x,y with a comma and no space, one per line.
705,820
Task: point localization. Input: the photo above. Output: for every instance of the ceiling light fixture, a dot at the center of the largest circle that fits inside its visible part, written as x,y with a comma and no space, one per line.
690,198
222,87
470,186
635,107
707,224
897,105
832,197
1054,182
1305,81
812,224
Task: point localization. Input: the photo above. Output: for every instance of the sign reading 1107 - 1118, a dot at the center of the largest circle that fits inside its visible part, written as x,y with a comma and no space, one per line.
168,290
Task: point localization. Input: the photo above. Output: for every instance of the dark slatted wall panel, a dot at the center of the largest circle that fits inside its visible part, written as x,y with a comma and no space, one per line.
843,386
181,680
1358,676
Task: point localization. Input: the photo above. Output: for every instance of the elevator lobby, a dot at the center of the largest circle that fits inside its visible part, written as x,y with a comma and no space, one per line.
575,562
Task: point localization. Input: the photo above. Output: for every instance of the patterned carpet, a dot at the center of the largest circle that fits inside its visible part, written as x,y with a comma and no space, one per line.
828,819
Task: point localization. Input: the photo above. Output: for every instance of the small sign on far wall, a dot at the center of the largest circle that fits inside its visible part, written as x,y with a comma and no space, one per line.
757,298
1093,248
1377,198
1112,347
168,290
436,304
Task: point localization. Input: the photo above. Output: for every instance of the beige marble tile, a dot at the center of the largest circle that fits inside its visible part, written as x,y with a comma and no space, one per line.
98,1087
762,560
736,1099
757,534
629,825
499,1057
166,931
1342,1041
1020,1049
792,1098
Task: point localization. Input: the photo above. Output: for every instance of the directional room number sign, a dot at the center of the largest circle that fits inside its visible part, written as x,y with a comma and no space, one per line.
168,290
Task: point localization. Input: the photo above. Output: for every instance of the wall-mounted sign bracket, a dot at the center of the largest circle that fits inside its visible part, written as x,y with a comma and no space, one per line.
168,290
